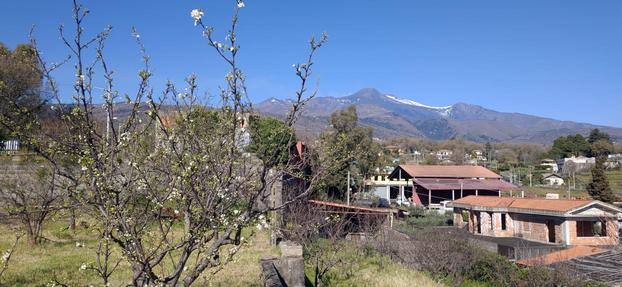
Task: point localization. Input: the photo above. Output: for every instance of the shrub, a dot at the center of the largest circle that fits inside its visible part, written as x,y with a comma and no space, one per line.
449,256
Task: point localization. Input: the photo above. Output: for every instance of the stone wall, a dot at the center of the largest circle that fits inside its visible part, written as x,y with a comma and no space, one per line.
288,270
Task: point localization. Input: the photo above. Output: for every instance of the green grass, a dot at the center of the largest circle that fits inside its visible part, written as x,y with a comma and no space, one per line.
60,259
583,179
361,266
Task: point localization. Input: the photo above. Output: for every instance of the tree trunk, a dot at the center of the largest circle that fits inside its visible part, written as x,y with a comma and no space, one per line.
186,222
318,281
72,222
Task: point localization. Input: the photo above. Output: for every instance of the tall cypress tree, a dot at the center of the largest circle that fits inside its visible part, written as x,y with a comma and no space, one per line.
599,188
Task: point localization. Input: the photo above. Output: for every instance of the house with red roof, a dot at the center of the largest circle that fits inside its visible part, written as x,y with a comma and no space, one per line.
431,185
557,221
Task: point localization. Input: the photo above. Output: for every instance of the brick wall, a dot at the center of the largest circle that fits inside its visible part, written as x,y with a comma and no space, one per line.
509,223
610,239
458,220
533,227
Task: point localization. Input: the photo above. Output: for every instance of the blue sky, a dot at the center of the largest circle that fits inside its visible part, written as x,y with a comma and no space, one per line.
559,59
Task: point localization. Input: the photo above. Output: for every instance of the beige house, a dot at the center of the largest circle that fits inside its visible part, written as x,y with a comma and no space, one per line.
559,221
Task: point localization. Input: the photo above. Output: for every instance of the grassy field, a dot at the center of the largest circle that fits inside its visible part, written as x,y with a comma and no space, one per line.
59,259
583,179
361,266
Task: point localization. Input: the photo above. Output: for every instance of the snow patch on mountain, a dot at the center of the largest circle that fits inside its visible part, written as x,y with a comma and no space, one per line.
443,111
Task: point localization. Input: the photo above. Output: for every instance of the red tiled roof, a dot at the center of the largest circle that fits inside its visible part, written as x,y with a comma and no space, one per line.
468,184
560,256
449,171
540,204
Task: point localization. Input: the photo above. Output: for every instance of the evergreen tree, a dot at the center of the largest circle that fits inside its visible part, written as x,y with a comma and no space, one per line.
20,84
599,188
596,135
346,146
271,140
488,151
600,143
570,146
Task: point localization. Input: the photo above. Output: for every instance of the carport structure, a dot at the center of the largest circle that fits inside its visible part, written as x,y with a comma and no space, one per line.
431,184
432,191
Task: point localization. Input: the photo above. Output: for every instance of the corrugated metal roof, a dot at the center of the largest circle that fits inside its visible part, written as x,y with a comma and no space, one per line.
465,184
448,171
353,207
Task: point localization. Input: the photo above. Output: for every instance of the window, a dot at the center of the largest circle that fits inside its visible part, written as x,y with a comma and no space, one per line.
503,222
591,228
492,220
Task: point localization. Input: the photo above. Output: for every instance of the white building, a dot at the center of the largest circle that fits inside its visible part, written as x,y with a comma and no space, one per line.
553,180
550,165
576,164
391,190
443,154
580,160
9,146
479,155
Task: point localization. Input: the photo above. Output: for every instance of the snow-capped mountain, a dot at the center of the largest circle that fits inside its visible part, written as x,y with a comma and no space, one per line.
392,116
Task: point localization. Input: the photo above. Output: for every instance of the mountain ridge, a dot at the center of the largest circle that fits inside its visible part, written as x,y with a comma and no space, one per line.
391,116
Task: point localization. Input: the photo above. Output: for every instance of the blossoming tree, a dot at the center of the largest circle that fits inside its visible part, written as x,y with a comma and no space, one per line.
171,186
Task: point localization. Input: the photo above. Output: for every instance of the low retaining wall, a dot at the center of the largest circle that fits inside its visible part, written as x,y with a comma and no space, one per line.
287,270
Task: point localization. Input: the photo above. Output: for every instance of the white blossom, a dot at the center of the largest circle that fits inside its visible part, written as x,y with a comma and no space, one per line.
83,266
196,14
241,5
6,255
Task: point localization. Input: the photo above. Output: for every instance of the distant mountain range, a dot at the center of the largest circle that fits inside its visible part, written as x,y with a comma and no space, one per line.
391,117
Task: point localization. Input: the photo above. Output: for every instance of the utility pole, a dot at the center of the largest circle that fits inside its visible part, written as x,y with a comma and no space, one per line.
348,190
